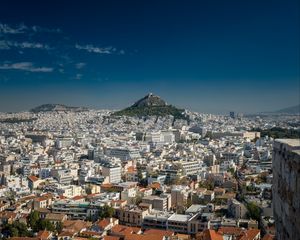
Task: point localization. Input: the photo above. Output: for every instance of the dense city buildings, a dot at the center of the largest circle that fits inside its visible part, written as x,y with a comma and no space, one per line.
87,154
95,174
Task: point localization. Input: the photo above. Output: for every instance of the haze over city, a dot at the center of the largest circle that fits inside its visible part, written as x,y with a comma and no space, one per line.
206,56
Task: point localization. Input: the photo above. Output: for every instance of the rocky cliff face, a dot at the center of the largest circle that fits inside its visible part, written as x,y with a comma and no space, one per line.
150,100
286,188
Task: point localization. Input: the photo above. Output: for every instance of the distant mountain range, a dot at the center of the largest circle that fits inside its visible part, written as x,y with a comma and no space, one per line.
151,105
290,110
57,108
295,110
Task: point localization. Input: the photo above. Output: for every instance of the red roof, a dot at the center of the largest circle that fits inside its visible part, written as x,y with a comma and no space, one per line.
234,231
268,237
110,238
143,237
78,198
33,178
131,169
44,234
39,199
159,232
124,230
250,234
209,234
103,223
155,185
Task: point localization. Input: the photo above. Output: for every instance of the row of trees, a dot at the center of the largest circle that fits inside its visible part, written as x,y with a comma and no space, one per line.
35,224
106,212
38,224
16,229
278,132
253,211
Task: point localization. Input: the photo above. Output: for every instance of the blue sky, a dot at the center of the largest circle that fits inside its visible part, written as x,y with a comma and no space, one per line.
208,56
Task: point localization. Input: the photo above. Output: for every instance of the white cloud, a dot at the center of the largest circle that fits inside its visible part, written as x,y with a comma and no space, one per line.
25,66
6,29
22,28
92,49
80,65
43,29
32,45
5,45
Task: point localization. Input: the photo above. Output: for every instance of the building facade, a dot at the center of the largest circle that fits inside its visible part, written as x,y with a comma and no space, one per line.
286,188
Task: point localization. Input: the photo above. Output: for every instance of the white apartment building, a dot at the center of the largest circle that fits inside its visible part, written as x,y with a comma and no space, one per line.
157,202
123,153
113,172
63,176
63,142
190,167
70,191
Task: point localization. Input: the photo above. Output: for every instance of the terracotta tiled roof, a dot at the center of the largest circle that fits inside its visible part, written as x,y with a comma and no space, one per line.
268,237
66,234
55,216
62,197
181,236
143,237
78,198
131,169
27,198
159,232
103,223
249,234
111,238
155,185
234,231
43,235
209,234
124,230
106,185
90,233
40,199
75,225
33,178
7,215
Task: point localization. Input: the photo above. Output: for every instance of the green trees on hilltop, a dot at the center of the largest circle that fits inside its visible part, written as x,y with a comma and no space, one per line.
278,132
152,111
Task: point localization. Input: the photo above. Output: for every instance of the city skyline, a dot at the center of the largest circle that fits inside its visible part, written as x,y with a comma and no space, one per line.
208,57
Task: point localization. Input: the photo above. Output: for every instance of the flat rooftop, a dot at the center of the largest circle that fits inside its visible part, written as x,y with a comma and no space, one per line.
159,215
179,217
297,152
195,208
290,142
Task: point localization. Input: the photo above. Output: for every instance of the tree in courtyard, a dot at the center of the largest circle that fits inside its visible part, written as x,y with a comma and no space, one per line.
253,211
